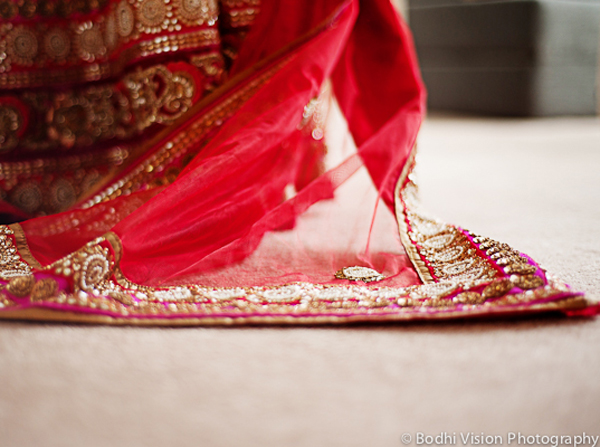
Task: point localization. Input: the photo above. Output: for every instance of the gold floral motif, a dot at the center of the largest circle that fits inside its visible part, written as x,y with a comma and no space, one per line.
22,45
89,41
211,64
44,289
62,195
196,12
125,18
152,15
158,95
99,112
21,286
57,44
91,268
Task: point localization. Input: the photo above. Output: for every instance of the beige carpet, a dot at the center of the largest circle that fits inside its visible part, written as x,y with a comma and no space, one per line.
532,183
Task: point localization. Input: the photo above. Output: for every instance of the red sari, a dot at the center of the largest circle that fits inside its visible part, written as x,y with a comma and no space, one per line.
213,198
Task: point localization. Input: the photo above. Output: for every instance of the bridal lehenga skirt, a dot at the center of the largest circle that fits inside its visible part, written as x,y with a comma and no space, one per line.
204,163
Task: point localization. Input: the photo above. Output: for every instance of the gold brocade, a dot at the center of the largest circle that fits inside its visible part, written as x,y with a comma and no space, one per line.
60,145
99,42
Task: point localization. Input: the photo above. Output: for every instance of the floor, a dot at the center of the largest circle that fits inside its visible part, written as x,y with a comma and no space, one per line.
532,183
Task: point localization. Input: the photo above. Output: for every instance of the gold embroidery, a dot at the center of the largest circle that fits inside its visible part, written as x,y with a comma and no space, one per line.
21,286
159,96
446,250
11,263
22,45
179,42
527,282
180,144
125,20
497,288
89,42
44,289
91,268
211,64
111,36
152,15
27,197
472,298
91,39
358,273
196,12
98,284
57,44
21,245
83,117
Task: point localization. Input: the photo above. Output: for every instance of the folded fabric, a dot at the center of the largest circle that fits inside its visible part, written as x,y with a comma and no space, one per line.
186,163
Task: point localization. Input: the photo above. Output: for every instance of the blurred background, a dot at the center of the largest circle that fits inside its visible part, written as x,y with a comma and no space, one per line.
508,57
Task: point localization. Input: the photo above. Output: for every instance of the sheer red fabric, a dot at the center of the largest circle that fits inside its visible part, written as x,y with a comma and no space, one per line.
232,192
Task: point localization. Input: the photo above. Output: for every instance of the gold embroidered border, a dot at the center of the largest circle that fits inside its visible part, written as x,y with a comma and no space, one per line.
22,246
411,250
99,286
91,41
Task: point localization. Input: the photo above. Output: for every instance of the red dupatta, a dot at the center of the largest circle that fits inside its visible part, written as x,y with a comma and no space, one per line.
203,249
